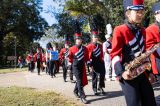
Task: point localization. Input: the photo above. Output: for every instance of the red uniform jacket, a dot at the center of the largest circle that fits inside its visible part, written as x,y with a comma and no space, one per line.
30,58
43,57
152,38
75,56
96,50
64,52
125,47
36,56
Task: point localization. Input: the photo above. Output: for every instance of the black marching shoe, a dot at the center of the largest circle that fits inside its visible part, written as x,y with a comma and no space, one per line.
65,80
102,91
72,81
95,92
76,94
84,100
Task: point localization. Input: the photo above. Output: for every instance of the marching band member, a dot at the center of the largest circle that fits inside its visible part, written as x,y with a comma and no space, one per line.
107,45
127,44
43,65
38,58
30,61
63,56
96,57
78,56
152,38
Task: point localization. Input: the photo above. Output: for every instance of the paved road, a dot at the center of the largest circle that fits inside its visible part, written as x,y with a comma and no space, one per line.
113,97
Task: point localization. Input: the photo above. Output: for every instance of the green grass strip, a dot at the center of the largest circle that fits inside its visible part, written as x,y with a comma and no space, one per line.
17,96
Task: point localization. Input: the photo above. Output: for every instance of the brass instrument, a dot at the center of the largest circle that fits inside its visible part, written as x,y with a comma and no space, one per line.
141,63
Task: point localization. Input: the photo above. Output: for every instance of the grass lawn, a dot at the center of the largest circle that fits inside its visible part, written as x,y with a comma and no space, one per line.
9,70
16,96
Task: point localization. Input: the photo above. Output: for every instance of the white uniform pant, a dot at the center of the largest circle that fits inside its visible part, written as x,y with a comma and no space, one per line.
110,73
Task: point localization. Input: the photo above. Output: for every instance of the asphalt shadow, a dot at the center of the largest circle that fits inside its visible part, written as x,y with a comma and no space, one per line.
112,94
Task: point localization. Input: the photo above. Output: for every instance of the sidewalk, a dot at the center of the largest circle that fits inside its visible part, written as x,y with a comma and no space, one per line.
113,97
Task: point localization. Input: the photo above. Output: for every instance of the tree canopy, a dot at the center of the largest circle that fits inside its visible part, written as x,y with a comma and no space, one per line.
21,23
20,19
106,11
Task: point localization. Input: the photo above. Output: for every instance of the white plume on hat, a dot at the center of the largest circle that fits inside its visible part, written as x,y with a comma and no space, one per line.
109,31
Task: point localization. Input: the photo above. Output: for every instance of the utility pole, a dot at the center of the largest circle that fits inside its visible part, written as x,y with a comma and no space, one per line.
15,53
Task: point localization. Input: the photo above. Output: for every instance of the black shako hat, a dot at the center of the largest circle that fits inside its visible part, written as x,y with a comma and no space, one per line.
94,27
66,39
133,4
77,30
156,8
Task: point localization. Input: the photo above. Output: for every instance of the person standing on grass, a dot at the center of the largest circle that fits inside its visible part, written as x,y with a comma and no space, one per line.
20,62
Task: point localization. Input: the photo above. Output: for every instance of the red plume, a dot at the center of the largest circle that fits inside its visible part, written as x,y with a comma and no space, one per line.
138,2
